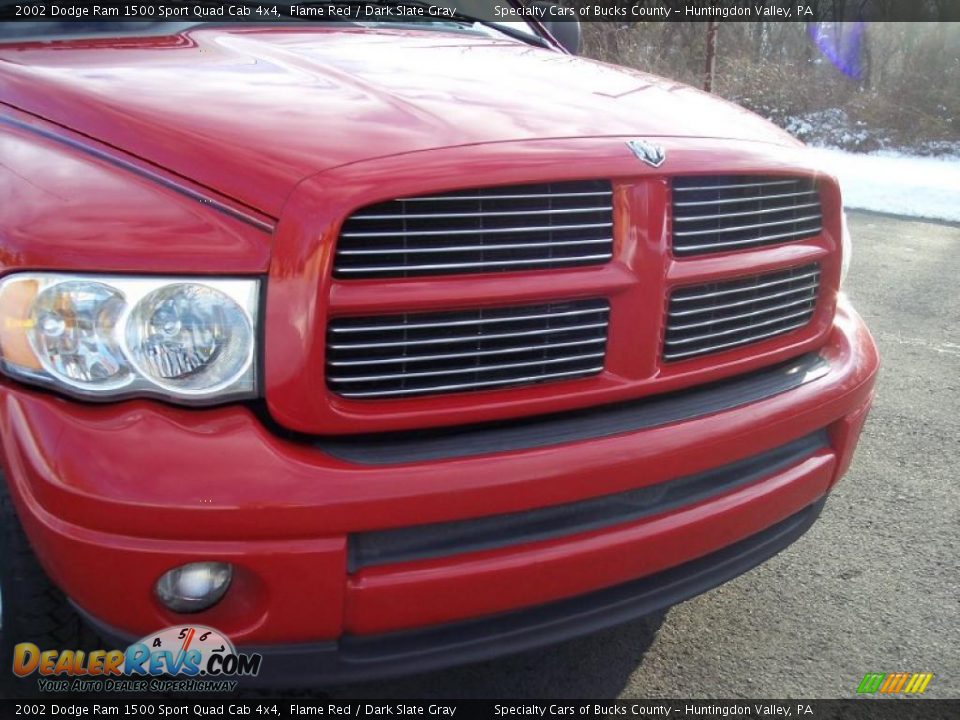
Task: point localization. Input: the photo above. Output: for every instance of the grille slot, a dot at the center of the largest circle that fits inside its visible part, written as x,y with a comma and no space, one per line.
709,318
419,354
498,229
737,212
445,539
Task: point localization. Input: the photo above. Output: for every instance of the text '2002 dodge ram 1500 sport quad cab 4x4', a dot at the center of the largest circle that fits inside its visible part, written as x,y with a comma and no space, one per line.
380,347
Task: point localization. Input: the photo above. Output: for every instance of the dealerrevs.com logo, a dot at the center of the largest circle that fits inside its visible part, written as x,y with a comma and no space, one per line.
190,658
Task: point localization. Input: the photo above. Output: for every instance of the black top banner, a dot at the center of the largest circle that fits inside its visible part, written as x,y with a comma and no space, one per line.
624,11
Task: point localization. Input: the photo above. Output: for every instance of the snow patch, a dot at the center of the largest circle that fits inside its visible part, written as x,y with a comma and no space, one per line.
834,128
892,182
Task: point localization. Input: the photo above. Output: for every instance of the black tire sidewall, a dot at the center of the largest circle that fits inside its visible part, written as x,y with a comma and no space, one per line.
32,608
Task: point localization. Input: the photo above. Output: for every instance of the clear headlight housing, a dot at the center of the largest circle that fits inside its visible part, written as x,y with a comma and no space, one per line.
190,340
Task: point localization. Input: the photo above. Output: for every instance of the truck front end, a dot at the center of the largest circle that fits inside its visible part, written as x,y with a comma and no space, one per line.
444,396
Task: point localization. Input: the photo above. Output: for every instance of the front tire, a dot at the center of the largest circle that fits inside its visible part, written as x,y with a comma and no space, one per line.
32,608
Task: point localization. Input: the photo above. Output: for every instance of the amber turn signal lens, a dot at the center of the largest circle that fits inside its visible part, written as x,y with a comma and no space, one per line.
16,302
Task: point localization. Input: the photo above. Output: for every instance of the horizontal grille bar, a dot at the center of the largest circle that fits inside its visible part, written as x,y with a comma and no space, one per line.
473,231
457,197
478,371
738,228
476,385
727,201
475,248
746,339
734,186
752,242
756,313
397,356
682,296
459,323
724,315
803,291
745,213
475,353
737,330
387,269
472,338
728,213
443,215
500,229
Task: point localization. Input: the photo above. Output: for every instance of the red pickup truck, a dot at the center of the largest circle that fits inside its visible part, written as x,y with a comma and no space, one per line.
383,346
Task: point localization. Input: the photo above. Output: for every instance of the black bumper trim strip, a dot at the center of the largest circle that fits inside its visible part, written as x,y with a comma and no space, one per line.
421,542
596,422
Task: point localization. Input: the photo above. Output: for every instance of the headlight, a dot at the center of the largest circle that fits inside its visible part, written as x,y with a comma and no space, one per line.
846,249
186,339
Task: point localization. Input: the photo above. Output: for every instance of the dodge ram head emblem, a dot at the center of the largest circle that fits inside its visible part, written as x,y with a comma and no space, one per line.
652,155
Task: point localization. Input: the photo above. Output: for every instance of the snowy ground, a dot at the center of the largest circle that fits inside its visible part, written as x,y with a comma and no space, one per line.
895,183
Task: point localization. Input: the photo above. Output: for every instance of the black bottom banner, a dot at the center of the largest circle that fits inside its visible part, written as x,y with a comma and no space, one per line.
265,707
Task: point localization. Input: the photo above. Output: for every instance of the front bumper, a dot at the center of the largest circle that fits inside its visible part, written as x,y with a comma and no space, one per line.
362,658
113,496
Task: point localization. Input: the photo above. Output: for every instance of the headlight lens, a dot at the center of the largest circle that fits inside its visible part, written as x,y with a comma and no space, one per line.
185,339
189,338
71,332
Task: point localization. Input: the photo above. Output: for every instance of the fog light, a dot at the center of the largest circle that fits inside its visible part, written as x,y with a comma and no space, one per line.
194,587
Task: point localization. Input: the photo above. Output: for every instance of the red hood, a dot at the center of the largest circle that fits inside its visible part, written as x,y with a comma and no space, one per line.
250,112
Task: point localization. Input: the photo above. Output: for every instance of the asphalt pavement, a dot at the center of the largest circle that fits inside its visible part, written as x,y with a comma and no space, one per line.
874,586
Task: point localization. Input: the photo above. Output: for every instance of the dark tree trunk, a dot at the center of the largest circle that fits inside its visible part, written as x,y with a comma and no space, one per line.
711,61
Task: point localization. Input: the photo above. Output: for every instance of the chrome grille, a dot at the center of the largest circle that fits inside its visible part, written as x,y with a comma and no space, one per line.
719,316
519,227
419,354
736,212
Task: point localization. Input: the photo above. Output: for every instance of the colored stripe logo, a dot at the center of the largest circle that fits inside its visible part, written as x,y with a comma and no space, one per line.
894,683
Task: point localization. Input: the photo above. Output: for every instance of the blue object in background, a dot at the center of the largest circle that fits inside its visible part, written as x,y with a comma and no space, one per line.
841,44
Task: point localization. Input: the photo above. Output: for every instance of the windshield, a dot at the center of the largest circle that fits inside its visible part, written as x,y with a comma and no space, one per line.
470,15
